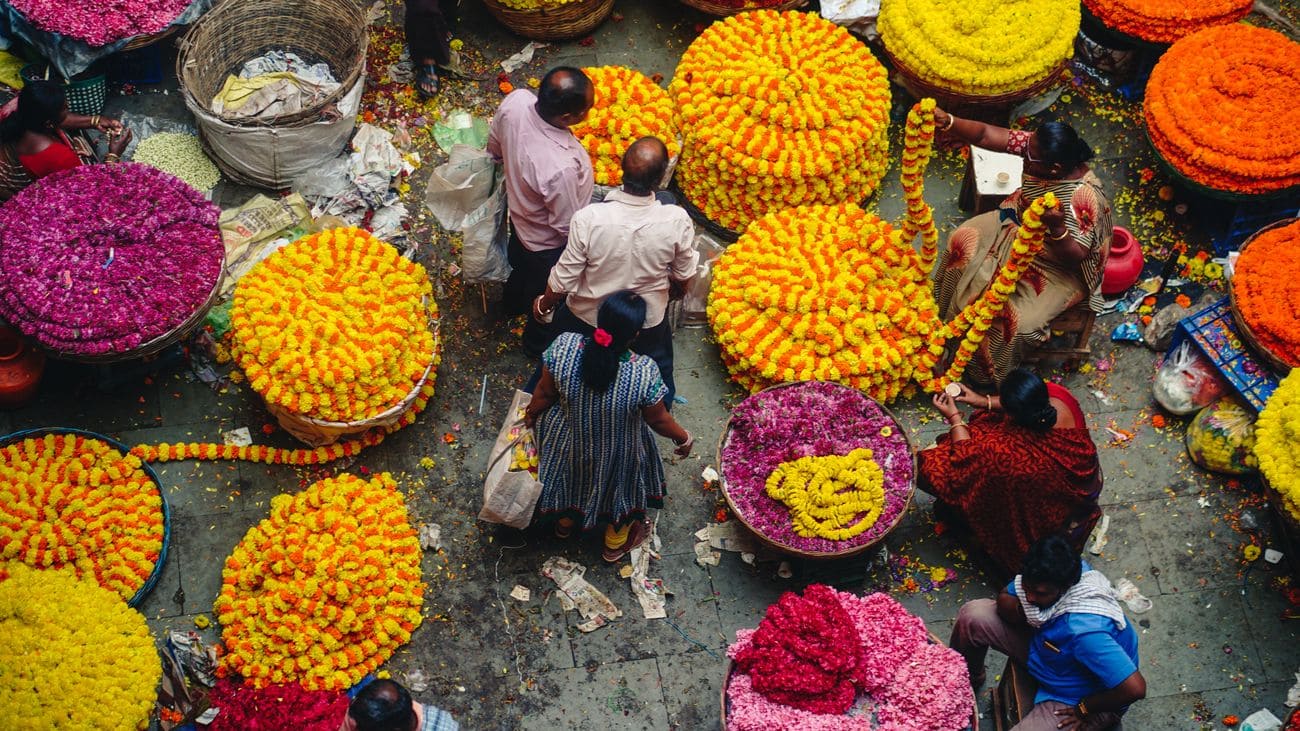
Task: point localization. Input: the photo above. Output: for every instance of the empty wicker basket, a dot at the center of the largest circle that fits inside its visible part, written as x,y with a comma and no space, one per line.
561,22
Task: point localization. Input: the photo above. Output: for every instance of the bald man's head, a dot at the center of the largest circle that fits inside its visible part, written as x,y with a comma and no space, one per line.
644,165
565,96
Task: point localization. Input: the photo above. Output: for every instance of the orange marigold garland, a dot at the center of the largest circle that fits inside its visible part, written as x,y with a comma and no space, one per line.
1165,21
918,146
778,110
325,589
1266,289
67,500
629,106
1220,108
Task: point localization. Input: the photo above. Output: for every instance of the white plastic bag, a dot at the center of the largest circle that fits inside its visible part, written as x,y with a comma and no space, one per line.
510,496
467,194
696,299
1187,381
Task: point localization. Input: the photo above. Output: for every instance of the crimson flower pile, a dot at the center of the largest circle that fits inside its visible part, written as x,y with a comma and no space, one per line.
276,707
100,23
835,661
100,259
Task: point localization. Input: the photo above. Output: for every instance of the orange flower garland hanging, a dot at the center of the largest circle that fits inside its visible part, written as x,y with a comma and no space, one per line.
629,106
325,589
1220,109
1165,21
1266,289
778,110
67,500
335,326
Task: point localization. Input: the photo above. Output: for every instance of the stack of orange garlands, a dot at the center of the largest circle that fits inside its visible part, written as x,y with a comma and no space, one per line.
1220,108
834,293
1266,289
1165,21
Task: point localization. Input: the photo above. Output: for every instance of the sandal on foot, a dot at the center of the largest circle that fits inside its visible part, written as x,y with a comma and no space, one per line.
426,82
562,532
635,537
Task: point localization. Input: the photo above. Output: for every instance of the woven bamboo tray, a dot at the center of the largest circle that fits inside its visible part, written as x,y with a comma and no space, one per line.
723,11
731,669
950,100
562,22
154,575
1274,361
143,41
855,550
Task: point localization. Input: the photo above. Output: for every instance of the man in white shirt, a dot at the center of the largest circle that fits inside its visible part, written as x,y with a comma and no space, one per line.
633,241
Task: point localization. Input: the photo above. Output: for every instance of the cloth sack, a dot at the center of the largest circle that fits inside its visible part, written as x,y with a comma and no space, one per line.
468,194
510,496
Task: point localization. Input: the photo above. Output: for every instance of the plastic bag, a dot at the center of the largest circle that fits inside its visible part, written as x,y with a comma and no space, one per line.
1222,438
1187,381
143,127
511,489
467,194
696,299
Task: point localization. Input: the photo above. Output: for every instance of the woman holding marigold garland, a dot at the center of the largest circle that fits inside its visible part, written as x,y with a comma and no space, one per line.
1023,468
1068,270
594,409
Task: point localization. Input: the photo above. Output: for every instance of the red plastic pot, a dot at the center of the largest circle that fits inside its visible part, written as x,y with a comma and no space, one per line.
1124,265
21,367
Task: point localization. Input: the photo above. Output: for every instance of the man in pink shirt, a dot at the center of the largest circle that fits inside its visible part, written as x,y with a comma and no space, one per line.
631,241
548,178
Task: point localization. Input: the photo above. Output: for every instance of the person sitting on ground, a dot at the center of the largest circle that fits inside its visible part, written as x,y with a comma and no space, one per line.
593,412
384,705
631,241
1025,467
34,139
548,178
1062,621
1066,272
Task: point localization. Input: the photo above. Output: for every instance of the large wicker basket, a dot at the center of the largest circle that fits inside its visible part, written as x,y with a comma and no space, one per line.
236,31
984,107
1247,334
723,11
562,22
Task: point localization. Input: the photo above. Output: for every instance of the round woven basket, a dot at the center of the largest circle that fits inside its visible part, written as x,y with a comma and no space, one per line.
143,41
237,31
955,100
731,669
562,22
723,11
1247,334
1208,192
152,580
854,550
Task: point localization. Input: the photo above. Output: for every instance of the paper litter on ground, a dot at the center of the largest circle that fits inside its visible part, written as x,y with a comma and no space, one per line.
525,54
651,593
520,593
576,593
431,537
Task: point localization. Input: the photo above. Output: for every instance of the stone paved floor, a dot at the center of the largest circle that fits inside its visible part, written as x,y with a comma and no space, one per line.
1213,645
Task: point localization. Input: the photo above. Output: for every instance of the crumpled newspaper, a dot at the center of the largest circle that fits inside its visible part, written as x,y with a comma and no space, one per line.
1293,695
576,593
431,537
650,593
525,54
728,536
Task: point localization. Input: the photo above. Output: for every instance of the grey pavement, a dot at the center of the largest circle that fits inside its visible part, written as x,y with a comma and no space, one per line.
1214,644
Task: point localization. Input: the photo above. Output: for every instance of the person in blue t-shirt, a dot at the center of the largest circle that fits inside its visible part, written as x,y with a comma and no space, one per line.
1062,620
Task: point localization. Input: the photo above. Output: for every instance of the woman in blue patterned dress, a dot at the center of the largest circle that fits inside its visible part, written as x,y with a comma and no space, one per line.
593,411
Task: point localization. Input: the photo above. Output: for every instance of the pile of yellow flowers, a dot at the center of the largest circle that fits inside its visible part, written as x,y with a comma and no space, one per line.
335,326
324,590
1277,432
629,106
73,655
980,47
71,501
778,110
834,496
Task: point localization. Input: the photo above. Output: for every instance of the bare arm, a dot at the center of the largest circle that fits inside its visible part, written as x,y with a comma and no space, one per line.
1009,609
970,132
544,396
659,419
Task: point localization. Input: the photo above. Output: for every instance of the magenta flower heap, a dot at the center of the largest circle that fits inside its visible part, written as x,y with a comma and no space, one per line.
100,23
100,259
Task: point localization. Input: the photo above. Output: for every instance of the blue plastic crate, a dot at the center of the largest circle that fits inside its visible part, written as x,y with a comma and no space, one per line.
1214,333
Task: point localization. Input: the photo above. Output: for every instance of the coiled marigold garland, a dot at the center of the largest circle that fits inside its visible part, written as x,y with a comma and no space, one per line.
628,106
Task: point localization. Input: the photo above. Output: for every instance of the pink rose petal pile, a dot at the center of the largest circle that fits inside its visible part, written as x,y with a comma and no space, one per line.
100,23
101,259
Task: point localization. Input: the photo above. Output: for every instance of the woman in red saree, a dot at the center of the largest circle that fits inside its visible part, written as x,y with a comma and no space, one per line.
1024,467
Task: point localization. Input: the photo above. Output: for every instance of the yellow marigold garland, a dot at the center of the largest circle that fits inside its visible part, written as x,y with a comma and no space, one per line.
71,501
629,106
1277,432
335,326
73,655
918,147
778,110
325,589
980,47
832,496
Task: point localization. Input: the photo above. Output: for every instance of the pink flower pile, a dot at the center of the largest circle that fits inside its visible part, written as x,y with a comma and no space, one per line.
100,23
811,418
276,707
100,259
927,688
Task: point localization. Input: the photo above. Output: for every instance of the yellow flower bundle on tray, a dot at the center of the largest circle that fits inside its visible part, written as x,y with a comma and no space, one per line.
980,47
1277,432
335,326
325,589
628,106
72,501
778,110
73,655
